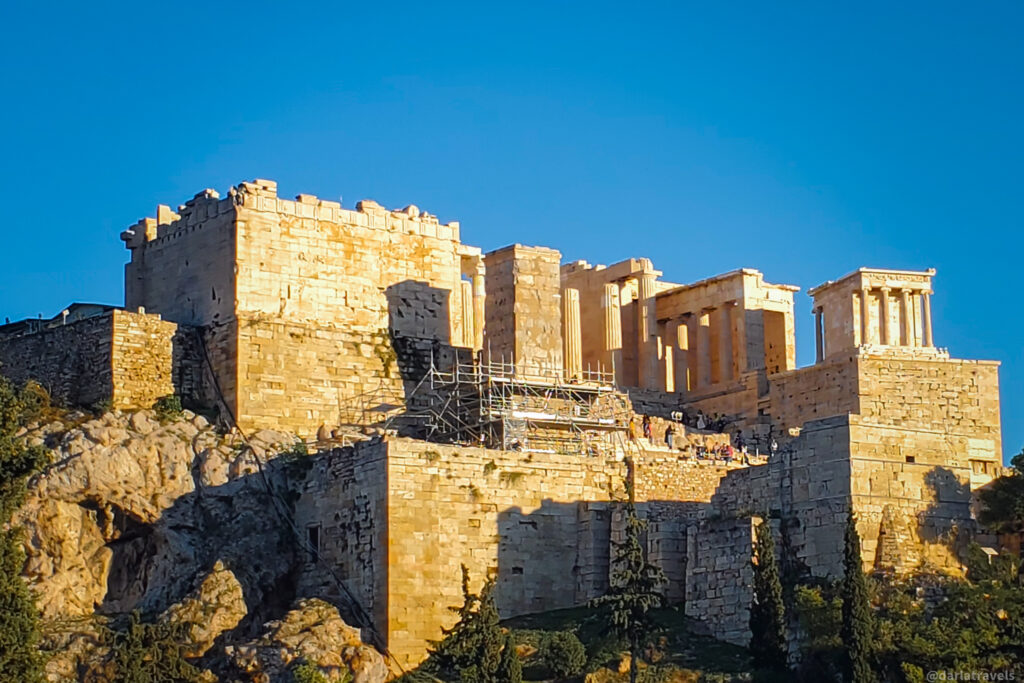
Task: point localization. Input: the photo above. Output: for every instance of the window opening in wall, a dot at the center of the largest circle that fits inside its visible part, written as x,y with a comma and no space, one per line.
313,542
910,458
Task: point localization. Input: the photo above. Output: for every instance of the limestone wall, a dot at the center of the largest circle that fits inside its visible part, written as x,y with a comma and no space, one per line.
142,354
343,511
815,392
72,362
119,356
414,512
721,577
523,308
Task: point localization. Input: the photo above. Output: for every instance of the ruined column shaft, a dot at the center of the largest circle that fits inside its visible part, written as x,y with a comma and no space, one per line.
479,297
612,331
865,316
883,319
819,343
907,318
676,339
704,348
926,317
468,317
726,360
647,330
572,336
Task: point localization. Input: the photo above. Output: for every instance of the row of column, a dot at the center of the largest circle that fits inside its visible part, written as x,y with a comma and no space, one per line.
689,343
906,318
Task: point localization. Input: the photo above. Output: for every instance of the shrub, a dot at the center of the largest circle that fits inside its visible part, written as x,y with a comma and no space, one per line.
168,408
564,654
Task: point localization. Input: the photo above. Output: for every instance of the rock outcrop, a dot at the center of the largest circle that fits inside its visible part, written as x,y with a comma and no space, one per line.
177,520
312,632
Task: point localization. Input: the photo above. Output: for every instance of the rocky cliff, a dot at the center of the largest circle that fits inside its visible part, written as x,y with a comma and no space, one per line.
186,525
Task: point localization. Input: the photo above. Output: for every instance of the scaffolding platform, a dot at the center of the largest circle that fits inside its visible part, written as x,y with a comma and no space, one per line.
514,406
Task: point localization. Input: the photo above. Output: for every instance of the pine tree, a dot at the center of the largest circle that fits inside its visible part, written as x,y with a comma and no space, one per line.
475,649
768,643
857,620
20,660
634,588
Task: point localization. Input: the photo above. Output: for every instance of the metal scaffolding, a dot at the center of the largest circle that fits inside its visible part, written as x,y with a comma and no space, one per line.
513,406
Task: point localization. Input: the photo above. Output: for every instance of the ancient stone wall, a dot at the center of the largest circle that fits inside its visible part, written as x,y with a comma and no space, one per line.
541,525
815,392
523,309
343,511
720,580
119,356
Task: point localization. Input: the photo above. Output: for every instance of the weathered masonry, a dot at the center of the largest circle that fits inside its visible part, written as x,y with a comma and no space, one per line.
474,408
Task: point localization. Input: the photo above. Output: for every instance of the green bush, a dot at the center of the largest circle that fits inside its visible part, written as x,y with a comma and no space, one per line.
310,673
563,654
168,408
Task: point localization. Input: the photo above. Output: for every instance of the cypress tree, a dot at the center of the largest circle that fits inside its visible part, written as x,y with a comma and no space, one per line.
767,615
20,660
857,622
475,650
634,588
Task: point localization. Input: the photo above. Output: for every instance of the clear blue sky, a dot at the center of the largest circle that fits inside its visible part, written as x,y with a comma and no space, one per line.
804,139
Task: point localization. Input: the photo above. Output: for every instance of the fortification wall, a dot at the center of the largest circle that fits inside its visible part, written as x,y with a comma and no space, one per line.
815,392
719,589
541,525
122,357
331,304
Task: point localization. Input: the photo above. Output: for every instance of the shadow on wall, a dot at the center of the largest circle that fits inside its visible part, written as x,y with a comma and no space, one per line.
419,327
942,521
561,554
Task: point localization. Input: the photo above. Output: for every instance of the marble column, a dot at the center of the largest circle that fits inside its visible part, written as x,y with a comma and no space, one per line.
865,316
704,348
572,335
884,326
725,360
819,342
466,306
647,331
679,332
907,318
479,297
926,317
612,331
693,350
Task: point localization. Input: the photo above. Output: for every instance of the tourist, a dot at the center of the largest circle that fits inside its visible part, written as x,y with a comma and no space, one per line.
701,422
647,427
670,432
632,428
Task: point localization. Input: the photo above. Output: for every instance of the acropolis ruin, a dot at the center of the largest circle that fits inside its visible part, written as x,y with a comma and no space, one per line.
476,408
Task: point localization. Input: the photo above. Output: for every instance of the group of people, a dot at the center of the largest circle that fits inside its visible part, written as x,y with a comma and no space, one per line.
736,448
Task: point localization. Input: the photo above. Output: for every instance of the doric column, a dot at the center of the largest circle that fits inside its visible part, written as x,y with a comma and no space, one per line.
679,333
906,318
725,360
704,348
926,317
612,330
466,305
572,336
883,323
479,297
693,350
865,316
647,330
819,342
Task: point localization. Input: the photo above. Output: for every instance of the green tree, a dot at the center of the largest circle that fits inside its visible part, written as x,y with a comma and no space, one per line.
768,643
20,660
634,589
475,650
563,654
149,653
857,622
1003,499
510,668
